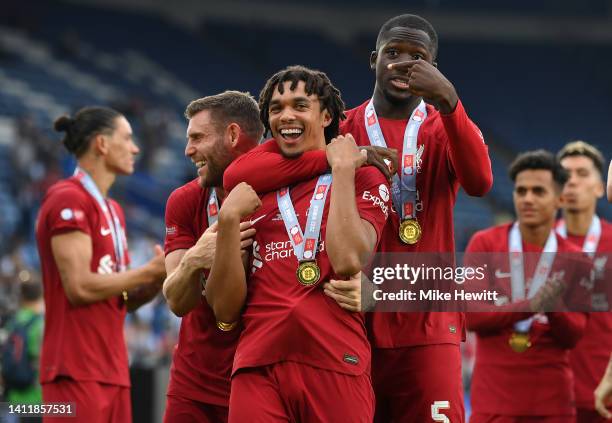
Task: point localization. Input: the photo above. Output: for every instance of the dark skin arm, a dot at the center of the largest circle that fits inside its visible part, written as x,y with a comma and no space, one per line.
466,145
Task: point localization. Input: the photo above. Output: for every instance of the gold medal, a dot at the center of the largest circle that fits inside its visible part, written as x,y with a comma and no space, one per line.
226,327
519,342
308,273
410,231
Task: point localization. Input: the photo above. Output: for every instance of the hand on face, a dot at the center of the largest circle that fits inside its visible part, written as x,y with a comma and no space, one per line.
426,81
342,152
241,202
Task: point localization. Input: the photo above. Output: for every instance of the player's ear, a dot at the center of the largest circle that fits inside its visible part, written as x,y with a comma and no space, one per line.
327,119
600,190
232,133
100,144
373,57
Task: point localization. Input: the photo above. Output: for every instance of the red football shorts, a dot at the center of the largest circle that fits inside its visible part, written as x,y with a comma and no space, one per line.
492,418
418,384
295,392
183,410
94,402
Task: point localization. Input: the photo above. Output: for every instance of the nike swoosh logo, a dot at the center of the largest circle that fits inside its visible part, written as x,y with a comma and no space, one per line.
499,274
254,221
105,231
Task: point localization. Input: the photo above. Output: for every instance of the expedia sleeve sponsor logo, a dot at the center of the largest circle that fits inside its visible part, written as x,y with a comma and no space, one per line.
376,201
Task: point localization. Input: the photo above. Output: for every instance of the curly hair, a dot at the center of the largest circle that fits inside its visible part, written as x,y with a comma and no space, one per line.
539,160
317,83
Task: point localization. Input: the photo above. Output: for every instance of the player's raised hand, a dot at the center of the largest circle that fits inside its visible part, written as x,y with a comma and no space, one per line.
342,152
426,81
384,159
241,202
346,293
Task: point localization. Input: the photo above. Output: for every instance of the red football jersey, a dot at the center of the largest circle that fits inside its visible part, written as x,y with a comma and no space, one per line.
538,381
286,321
437,184
202,361
86,342
590,357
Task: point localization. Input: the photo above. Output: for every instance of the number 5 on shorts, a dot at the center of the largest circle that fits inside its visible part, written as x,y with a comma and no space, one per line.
435,411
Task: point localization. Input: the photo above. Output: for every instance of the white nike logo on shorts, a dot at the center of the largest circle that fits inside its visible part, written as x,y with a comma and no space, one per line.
105,231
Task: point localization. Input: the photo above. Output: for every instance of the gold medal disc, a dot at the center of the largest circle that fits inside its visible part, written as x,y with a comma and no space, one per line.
410,231
519,342
226,327
308,273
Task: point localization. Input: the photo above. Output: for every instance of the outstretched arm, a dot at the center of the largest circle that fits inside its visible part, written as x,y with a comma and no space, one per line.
73,251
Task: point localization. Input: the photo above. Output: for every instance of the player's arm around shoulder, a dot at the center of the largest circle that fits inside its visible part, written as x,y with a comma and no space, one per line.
226,286
73,253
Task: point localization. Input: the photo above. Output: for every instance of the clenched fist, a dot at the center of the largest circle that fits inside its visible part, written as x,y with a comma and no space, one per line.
342,152
241,202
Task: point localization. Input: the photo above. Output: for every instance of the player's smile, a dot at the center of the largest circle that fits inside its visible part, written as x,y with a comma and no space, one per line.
291,133
398,82
201,166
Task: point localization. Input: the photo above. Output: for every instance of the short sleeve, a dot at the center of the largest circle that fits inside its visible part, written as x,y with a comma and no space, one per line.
68,211
373,197
180,220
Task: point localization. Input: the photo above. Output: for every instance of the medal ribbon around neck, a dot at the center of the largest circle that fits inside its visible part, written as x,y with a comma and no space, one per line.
517,270
212,207
403,189
591,241
305,244
111,216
